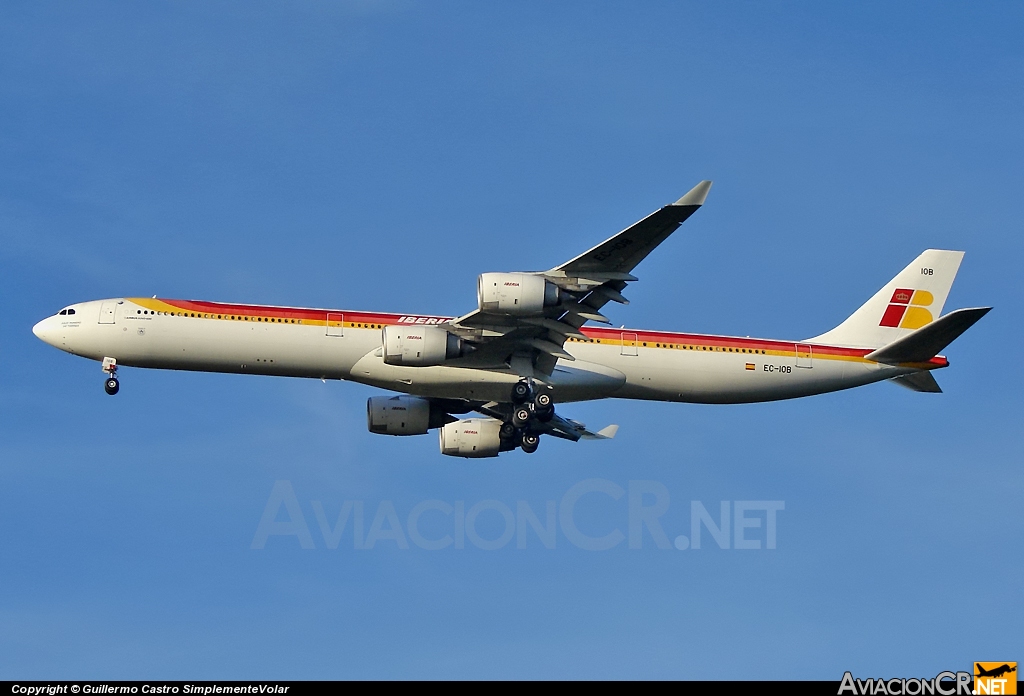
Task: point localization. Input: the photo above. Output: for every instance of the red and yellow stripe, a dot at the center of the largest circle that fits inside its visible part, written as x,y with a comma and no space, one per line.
222,311
658,340
665,340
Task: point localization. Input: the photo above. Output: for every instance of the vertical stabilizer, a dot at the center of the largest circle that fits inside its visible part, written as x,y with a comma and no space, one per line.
911,300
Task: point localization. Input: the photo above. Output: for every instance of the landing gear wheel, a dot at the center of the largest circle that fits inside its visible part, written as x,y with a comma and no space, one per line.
521,416
530,443
543,407
521,392
111,386
507,431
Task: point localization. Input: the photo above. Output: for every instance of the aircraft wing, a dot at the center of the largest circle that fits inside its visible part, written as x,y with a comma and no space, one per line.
531,345
614,258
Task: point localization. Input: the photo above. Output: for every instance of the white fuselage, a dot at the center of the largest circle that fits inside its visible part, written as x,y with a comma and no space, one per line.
330,344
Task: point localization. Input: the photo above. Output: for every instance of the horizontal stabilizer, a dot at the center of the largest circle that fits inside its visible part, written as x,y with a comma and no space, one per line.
919,382
926,342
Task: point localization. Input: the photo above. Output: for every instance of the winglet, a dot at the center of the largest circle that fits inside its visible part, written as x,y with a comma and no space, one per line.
606,433
696,195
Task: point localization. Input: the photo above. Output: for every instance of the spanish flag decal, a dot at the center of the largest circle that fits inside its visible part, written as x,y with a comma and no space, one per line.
750,366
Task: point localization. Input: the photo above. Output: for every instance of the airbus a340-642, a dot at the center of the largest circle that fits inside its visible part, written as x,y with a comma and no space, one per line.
528,346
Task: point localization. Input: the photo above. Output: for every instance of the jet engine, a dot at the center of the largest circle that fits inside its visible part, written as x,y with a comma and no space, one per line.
516,293
402,415
419,346
472,437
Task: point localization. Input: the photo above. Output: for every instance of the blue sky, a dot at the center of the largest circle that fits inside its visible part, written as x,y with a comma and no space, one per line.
379,156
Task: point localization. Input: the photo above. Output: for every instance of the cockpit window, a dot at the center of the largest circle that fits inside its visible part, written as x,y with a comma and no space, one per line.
71,311
65,312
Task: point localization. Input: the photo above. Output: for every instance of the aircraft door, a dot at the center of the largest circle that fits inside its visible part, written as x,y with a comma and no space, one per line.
628,343
335,324
804,355
107,312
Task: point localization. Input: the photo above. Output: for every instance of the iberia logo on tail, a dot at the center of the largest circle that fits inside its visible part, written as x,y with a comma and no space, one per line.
906,309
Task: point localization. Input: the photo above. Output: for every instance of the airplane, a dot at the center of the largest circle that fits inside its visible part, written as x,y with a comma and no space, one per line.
996,672
530,343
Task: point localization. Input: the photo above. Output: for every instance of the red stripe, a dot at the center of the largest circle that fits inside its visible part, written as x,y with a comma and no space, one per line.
652,337
292,312
592,332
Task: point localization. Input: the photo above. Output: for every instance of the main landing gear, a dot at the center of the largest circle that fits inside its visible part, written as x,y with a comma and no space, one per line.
111,385
531,406
530,442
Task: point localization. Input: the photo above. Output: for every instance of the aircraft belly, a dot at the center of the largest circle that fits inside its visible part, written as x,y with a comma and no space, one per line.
571,381
580,380
714,377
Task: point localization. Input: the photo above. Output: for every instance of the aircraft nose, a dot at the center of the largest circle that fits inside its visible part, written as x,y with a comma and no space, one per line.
44,331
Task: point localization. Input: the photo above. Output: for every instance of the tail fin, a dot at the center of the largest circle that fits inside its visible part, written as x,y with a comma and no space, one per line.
912,299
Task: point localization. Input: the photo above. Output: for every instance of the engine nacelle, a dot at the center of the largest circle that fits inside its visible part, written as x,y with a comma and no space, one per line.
472,437
419,346
397,415
515,293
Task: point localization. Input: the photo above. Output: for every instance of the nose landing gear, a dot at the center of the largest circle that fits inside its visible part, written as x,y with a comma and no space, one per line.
111,385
